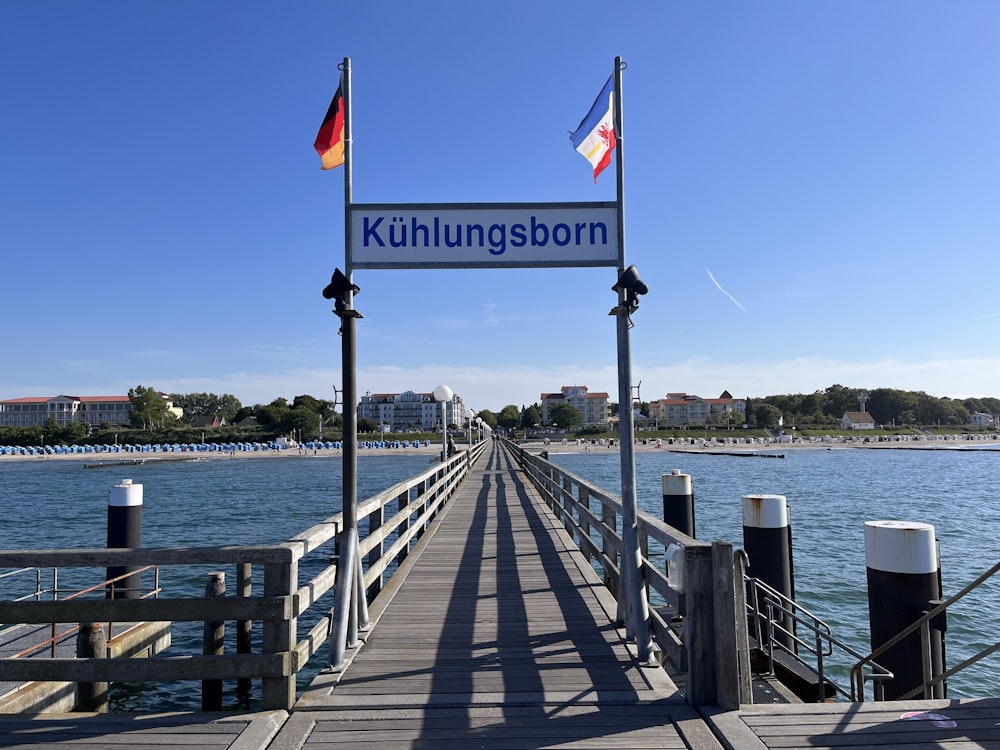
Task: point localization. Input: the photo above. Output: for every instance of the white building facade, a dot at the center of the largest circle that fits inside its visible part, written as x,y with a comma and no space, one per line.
32,411
410,411
682,409
595,408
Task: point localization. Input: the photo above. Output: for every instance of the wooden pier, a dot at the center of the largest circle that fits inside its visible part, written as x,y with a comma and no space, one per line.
497,633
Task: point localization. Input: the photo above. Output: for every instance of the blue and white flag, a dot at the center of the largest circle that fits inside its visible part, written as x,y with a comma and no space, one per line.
594,137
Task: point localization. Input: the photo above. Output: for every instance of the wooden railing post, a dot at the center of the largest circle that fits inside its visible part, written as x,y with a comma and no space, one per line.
403,501
609,518
699,625
213,643
566,501
244,630
584,521
91,643
422,500
375,519
727,673
280,579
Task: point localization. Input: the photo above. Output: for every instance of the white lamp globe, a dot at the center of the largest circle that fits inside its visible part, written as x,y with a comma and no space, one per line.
443,393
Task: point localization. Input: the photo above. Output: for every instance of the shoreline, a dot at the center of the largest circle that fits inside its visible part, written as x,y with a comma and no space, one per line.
951,443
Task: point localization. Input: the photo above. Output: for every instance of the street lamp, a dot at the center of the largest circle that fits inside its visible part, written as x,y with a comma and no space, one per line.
479,426
469,414
444,394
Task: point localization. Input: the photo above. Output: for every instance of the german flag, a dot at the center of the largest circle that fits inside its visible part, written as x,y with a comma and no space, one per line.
330,139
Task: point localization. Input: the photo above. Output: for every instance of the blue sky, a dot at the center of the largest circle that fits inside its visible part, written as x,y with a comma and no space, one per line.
812,194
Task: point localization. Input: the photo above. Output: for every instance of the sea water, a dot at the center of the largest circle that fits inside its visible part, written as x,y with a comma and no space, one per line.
831,493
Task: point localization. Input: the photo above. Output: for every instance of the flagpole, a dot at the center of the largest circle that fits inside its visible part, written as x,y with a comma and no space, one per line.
344,634
634,593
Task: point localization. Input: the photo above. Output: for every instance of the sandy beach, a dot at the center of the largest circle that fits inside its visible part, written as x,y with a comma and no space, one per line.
642,445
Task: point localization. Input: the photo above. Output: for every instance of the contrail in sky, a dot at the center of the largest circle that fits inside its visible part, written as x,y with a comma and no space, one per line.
719,287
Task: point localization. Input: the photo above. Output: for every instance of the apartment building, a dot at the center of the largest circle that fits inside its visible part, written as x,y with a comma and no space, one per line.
594,407
32,411
682,409
410,411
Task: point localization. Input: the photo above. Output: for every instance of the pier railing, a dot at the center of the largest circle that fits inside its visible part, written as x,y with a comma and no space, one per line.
933,619
389,524
780,627
694,624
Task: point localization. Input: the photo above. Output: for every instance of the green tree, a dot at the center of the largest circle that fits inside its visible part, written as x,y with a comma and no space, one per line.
565,416
303,423
272,415
509,417
149,409
531,416
488,417
366,425
840,400
767,415
888,405
306,402
207,405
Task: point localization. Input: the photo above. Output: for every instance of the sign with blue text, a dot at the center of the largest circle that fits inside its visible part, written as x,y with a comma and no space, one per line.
483,235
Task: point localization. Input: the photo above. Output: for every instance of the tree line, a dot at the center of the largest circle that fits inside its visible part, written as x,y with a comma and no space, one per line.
308,418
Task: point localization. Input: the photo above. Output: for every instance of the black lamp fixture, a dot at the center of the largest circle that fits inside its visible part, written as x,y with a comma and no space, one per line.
633,286
337,290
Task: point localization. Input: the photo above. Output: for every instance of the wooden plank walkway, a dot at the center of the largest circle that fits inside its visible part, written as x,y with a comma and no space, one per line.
500,635
960,724
139,732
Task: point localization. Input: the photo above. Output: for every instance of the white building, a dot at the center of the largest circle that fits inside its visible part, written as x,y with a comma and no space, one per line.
593,407
32,411
410,411
857,420
982,419
680,409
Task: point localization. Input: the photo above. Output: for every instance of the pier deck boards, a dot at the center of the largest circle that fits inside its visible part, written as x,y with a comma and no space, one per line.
959,724
140,732
500,636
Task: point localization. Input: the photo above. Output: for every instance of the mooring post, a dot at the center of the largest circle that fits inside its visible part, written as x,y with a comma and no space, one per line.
92,643
124,531
214,642
244,630
767,539
678,501
904,580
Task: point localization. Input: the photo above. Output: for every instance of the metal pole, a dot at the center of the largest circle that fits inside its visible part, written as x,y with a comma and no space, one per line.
349,493
636,607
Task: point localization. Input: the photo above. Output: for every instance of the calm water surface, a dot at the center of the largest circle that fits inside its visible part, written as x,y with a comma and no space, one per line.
831,493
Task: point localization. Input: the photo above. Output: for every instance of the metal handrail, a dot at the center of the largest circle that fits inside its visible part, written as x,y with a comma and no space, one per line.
57,636
770,610
923,624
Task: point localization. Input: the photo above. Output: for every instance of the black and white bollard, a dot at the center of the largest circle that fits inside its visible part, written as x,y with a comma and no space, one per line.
124,531
678,502
767,540
904,582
